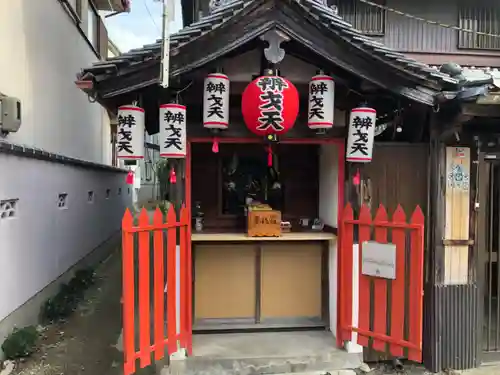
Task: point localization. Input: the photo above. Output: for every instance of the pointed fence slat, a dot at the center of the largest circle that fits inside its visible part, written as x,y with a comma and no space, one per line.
159,286
171,338
144,290
365,221
400,303
398,285
128,293
346,274
171,282
416,285
380,285
184,217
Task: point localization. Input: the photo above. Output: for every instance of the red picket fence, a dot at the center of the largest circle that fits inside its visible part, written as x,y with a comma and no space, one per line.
401,299
160,341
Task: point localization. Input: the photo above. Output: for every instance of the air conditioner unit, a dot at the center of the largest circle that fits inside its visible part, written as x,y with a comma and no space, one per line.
10,114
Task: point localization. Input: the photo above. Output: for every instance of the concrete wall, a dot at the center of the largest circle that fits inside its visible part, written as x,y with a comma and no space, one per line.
42,240
42,51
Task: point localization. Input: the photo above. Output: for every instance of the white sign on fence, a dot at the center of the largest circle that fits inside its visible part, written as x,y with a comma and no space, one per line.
378,259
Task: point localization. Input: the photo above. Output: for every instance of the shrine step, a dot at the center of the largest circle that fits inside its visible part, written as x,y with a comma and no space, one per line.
298,353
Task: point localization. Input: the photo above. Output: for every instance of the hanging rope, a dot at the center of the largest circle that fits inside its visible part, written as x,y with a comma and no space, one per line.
430,22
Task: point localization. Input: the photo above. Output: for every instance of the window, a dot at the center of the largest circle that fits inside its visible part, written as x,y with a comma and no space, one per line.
482,19
93,26
368,19
76,5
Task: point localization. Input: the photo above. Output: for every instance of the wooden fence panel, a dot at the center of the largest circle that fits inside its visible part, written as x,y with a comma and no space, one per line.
155,341
400,299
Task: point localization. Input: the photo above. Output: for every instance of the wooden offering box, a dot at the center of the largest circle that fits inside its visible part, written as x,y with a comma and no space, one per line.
264,223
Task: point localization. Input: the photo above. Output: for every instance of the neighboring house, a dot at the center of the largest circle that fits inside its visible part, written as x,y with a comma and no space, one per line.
60,197
428,43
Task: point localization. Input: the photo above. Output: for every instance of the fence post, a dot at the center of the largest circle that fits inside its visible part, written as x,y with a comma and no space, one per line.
416,284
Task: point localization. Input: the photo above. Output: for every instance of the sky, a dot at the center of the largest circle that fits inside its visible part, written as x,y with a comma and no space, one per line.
142,25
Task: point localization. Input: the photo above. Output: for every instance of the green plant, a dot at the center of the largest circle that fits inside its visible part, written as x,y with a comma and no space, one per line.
66,300
20,343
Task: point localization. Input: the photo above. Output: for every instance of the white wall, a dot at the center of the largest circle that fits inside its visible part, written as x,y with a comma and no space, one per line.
41,53
42,241
328,184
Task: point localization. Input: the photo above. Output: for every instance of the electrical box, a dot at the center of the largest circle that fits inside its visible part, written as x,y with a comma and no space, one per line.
10,114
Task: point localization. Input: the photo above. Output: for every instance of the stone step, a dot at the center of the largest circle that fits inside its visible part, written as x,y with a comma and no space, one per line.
299,365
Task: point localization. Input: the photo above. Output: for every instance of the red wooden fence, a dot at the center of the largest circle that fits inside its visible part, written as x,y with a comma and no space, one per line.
158,341
406,290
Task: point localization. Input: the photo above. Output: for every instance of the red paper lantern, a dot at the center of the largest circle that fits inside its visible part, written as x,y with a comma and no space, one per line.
270,105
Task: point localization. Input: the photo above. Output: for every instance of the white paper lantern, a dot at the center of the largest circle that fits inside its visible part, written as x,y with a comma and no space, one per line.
216,101
361,133
321,102
130,132
173,131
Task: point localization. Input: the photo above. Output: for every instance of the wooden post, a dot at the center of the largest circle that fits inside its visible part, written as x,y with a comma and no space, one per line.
456,237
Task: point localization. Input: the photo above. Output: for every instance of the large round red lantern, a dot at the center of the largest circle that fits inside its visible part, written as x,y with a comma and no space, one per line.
270,105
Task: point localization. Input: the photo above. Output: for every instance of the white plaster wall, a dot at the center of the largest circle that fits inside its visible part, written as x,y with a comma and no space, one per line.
42,241
41,53
328,209
328,184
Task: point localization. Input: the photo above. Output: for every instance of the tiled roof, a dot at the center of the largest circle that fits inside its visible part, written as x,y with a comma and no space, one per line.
322,13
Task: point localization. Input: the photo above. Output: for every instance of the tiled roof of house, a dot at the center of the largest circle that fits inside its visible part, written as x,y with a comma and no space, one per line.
322,13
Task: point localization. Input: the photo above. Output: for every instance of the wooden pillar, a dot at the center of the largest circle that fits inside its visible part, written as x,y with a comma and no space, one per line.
457,203
450,299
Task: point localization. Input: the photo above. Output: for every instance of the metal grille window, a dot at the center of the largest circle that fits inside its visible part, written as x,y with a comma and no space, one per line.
368,19
484,19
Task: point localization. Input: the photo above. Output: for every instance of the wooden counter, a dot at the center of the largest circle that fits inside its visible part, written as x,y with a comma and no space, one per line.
242,281
237,237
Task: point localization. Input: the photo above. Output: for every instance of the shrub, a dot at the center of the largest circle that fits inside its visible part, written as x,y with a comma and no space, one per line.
66,300
20,343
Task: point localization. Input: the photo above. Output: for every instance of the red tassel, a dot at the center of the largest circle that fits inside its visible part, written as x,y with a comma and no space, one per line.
269,157
173,177
215,146
356,180
130,178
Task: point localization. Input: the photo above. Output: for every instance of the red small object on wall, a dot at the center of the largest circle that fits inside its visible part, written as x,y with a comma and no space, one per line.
130,178
270,105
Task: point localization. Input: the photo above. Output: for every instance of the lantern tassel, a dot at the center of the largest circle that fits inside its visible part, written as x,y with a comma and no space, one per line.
356,179
215,146
130,178
173,177
269,157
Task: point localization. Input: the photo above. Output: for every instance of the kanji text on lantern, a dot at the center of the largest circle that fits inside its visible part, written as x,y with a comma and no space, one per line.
125,124
173,129
361,124
317,101
271,108
215,99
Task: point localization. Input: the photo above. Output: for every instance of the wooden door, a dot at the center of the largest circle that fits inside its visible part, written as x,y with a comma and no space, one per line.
225,280
291,281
